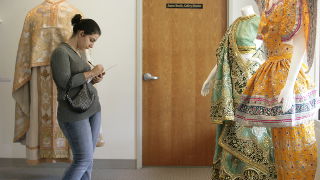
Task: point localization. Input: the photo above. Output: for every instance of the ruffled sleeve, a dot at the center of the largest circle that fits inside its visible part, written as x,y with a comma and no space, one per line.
309,13
291,19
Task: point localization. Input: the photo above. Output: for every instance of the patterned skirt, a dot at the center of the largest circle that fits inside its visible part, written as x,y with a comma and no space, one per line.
259,104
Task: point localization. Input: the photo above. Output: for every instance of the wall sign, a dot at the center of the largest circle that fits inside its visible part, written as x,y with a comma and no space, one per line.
185,6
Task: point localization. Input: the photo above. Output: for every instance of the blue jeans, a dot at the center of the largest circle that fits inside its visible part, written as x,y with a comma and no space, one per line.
82,136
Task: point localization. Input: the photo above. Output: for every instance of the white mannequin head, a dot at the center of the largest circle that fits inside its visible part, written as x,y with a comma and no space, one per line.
247,11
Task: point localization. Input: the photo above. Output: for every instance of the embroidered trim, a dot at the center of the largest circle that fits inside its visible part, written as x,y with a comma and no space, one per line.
269,102
246,49
261,111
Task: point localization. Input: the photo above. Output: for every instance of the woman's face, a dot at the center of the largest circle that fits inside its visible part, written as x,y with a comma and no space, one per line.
86,41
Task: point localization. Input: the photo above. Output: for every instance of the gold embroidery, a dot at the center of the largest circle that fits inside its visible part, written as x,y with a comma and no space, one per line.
44,28
246,49
41,34
249,150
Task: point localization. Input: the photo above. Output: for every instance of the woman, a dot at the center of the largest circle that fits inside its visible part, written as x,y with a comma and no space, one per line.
70,71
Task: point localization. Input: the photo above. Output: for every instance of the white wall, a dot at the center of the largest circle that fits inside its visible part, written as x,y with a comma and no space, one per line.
117,45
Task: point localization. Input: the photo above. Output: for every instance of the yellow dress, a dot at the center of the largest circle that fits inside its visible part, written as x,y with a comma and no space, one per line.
293,131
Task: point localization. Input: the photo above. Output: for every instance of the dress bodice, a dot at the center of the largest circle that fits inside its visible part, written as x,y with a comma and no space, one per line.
280,21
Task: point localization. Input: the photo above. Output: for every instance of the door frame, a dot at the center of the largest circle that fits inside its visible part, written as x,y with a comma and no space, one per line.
139,81
139,73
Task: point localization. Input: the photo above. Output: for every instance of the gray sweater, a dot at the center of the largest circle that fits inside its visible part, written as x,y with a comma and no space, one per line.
68,67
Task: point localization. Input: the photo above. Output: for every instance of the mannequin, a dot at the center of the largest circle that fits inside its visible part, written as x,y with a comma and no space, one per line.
292,47
208,84
247,10
237,59
299,53
280,95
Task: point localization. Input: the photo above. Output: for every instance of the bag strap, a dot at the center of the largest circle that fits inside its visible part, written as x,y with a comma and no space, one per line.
66,93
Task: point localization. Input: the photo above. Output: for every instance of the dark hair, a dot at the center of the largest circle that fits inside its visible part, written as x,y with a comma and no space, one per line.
89,26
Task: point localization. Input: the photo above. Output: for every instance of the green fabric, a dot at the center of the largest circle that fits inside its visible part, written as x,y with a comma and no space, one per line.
241,153
247,32
233,72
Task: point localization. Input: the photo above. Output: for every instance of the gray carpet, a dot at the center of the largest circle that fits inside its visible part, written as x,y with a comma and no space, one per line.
148,173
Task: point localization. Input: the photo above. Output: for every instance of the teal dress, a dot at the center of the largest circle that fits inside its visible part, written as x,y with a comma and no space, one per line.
241,153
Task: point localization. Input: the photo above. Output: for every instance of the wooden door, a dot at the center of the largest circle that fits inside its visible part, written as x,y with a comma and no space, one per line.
179,46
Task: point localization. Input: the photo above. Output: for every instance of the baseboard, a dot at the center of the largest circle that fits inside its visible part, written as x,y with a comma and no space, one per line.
98,163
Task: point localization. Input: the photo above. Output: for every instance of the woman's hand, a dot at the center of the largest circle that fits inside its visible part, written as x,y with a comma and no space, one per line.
287,97
98,78
98,69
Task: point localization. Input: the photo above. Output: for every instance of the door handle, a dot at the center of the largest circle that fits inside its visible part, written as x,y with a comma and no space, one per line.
148,76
